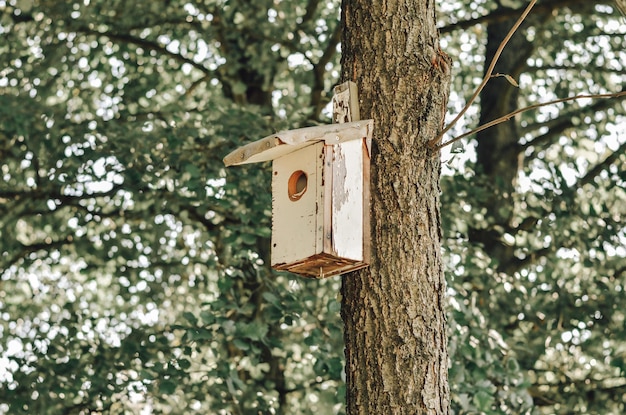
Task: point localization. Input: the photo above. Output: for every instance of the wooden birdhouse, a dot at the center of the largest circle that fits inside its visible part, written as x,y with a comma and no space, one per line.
320,191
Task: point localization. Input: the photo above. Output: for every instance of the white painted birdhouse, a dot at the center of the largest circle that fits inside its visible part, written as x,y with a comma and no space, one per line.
320,191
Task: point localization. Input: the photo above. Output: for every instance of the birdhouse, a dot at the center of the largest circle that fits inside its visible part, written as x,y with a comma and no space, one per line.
320,191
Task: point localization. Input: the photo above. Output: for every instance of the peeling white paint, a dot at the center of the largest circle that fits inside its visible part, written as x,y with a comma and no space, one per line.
347,201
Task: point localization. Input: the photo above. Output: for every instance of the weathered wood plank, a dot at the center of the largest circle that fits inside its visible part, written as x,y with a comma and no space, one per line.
285,142
296,224
350,210
345,103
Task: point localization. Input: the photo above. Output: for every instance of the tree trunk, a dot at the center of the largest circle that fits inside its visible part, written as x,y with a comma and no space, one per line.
499,155
393,311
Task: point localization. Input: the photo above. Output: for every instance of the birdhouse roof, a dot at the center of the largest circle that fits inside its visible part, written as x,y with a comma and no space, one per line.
285,142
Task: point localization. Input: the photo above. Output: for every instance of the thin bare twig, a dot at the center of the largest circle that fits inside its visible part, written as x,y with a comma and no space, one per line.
528,108
488,74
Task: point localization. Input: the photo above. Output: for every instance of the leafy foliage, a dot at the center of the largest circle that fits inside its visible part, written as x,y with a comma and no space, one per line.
134,267
537,263
133,264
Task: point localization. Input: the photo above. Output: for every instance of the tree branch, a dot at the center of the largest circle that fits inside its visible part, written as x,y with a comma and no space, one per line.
515,264
319,70
564,121
510,115
50,194
147,44
487,77
601,166
502,14
560,124
311,8
25,250
578,68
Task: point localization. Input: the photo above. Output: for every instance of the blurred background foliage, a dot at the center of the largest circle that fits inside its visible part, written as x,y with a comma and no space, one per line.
134,272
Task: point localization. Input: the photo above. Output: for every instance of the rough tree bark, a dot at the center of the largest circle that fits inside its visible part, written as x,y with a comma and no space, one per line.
395,330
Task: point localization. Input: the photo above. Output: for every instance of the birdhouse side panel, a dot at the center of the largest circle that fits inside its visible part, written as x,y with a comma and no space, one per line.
347,200
297,205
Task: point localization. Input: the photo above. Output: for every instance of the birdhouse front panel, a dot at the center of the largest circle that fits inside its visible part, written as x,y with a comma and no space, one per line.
297,204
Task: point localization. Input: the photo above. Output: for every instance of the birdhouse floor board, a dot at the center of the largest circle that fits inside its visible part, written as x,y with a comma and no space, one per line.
321,266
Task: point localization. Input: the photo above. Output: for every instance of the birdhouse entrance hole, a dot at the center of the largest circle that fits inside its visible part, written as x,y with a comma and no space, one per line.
297,185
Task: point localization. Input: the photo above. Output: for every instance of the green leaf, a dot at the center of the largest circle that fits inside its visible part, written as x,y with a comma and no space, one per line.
241,344
184,364
167,387
334,306
483,401
193,170
201,334
271,298
248,238
190,317
254,331
207,317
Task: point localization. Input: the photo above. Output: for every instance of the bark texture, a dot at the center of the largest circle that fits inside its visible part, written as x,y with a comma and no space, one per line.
395,330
